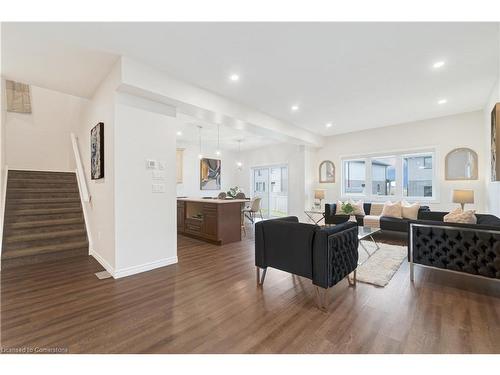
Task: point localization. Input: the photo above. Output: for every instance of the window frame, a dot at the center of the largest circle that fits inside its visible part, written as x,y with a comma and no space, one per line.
399,176
342,177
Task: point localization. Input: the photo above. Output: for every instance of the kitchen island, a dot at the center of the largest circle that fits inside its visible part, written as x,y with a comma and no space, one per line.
216,221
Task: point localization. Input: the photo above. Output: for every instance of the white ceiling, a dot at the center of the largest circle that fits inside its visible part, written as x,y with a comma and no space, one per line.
354,75
228,136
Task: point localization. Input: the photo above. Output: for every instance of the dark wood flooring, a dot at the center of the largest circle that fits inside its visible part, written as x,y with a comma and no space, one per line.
209,303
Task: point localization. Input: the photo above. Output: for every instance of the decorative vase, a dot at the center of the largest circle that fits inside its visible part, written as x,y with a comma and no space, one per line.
352,218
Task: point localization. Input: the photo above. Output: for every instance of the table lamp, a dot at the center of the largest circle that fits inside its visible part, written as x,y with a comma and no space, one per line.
319,194
463,197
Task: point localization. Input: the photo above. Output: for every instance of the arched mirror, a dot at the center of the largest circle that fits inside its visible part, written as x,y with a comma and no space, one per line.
327,171
461,164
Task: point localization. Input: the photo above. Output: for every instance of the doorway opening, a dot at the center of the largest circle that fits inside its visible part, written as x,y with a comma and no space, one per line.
270,183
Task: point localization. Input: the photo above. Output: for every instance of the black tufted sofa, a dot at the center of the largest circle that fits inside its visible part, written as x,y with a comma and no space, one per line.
386,223
467,248
324,255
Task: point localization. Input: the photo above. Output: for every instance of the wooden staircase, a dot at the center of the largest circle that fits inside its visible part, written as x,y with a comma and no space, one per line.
43,218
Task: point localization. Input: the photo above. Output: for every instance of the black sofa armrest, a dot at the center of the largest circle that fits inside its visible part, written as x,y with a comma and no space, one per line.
285,244
335,254
331,218
468,248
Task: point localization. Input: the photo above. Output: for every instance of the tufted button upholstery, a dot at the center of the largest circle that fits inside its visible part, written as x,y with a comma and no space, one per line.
470,249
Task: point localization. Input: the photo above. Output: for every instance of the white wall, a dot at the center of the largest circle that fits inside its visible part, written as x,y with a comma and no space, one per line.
41,140
100,211
190,186
442,134
292,155
145,222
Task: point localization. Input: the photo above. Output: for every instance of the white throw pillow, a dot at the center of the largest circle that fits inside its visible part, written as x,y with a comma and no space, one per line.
459,216
409,210
358,207
392,209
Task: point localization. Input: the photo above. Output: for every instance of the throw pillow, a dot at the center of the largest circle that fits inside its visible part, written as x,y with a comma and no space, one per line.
392,209
459,216
376,209
410,211
358,207
338,210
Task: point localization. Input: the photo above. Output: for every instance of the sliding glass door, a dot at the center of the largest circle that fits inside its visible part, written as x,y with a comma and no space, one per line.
270,183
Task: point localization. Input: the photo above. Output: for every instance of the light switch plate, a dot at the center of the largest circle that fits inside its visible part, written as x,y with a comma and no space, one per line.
158,175
158,188
151,164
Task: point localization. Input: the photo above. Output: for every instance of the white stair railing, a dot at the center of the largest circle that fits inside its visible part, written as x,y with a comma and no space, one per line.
82,187
80,172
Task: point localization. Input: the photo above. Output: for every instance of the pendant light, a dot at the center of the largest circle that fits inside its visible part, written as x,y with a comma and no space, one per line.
200,155
239,164
217,152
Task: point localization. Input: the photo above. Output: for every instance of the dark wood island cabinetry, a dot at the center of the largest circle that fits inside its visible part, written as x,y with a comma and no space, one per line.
213,220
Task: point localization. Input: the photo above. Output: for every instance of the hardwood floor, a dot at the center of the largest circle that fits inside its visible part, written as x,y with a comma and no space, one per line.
209,303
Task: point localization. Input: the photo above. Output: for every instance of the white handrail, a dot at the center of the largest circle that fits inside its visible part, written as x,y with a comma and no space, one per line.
80,172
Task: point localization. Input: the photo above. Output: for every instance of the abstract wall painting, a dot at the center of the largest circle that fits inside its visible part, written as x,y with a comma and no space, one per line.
97,152
210,170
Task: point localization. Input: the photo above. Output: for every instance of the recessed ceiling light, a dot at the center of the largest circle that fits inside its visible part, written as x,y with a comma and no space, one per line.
442,101
179,133
295,108
438,64
328,125
234,77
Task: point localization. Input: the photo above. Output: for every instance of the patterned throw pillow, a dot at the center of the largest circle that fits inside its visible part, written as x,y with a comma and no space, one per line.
459,216
410,211
358,207
392,210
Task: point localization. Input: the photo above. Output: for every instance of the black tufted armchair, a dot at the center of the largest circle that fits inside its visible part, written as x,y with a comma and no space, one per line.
468,248
323,255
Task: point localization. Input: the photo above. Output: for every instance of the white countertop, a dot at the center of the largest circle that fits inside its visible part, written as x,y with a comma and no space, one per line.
216,201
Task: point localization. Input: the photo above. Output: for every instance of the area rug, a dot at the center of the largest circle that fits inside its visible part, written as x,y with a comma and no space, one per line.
381,266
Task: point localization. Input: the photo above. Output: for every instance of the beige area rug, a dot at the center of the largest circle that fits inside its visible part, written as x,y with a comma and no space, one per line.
380,267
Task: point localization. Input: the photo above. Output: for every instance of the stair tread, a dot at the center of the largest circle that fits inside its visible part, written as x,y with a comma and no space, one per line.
43,211
14,201
42,223
44,235
45,249
41,190
21,172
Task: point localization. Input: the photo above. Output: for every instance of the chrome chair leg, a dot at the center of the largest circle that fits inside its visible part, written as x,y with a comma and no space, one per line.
353,281
321,297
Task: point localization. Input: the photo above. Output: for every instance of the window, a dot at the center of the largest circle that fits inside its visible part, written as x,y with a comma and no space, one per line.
354,176
384,176
417,176
400,175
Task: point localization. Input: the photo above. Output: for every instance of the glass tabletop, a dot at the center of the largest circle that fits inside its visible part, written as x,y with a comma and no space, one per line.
366,231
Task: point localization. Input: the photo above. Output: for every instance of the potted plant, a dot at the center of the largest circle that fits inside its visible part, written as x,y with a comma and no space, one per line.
233,191
348,209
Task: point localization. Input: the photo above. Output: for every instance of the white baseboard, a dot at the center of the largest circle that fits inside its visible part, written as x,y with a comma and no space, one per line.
144,267
102,261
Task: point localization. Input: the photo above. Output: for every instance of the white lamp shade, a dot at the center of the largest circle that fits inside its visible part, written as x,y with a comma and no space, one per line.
319,194
463,196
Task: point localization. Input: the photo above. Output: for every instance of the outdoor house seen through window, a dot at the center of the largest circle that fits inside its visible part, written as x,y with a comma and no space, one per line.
392,176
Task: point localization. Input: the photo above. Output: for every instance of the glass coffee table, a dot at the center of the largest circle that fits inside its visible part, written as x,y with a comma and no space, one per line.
367,232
